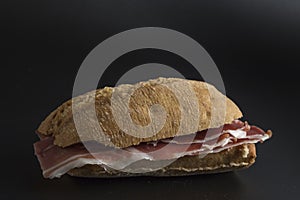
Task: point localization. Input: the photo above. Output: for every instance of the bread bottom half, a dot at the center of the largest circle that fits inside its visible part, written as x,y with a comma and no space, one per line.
234,158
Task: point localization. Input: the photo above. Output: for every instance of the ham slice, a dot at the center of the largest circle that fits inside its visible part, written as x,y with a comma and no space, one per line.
56,161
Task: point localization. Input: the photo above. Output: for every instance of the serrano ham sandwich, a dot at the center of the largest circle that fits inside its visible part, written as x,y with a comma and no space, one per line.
219,141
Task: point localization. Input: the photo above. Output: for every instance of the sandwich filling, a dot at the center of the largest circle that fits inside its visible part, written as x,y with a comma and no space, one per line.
56,161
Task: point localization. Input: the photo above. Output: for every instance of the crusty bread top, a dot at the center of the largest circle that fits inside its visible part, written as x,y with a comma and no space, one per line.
60,123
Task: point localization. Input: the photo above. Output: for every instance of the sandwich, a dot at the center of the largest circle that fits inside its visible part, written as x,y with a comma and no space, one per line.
167,127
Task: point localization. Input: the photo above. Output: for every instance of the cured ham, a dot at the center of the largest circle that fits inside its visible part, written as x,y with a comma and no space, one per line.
56,161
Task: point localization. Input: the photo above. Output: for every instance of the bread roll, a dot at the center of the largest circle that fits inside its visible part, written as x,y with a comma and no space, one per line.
60,123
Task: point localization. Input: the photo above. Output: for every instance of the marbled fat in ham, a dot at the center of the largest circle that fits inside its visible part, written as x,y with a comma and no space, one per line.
56,161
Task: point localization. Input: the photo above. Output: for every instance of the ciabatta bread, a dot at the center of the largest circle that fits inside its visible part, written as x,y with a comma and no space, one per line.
60,123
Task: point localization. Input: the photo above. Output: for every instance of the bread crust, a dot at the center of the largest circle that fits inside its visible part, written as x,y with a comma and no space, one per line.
60,123
239,157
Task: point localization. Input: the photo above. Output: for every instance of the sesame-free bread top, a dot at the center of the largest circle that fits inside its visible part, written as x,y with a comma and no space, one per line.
60,123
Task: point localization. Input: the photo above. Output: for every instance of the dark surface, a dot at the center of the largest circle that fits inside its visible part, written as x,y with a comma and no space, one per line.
255,44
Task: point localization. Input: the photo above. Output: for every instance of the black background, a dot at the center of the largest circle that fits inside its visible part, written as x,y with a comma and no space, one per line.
255,44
